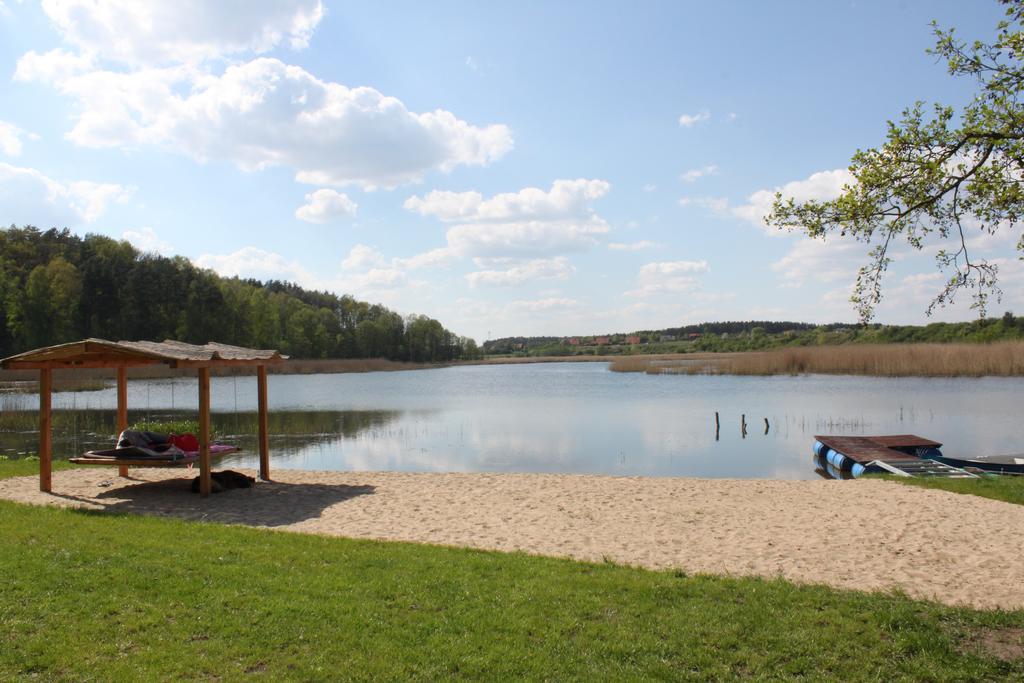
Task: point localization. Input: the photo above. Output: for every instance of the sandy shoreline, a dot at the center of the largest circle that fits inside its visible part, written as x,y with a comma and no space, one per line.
865,535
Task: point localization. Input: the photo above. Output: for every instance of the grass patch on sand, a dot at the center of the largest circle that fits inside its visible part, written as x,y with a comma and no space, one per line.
27,467
89,596
1006,488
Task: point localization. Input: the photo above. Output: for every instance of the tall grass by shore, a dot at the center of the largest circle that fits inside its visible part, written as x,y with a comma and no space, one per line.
1001,359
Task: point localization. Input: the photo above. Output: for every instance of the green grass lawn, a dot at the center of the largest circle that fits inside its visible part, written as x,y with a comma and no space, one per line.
1006,488
89,596
24,467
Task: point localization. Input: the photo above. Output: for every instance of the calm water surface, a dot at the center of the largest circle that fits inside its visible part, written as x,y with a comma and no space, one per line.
558,417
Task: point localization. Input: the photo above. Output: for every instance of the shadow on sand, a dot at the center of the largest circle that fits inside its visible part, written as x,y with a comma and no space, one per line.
267,504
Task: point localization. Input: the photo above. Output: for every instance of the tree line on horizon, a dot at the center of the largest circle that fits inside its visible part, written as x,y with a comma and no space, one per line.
758,335
57,287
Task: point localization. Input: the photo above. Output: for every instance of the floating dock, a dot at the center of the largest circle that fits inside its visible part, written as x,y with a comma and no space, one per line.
901,454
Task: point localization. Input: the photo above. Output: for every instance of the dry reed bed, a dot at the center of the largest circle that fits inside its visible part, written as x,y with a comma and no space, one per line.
1002,359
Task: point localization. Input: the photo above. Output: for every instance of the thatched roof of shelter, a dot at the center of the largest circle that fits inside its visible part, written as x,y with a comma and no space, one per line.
103,353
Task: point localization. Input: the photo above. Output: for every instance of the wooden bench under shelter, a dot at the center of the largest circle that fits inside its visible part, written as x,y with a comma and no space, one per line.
100,353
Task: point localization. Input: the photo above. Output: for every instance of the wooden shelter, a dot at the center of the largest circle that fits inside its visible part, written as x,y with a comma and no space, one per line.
100,353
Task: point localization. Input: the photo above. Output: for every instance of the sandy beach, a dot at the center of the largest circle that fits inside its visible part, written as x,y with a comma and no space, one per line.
864,535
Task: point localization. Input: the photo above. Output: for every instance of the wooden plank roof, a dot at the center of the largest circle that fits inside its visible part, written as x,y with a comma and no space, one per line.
104,353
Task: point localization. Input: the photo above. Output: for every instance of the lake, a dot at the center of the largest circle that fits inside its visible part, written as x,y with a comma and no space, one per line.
553,417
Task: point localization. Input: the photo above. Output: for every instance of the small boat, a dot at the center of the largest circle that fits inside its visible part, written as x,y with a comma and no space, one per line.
1003,464
905,455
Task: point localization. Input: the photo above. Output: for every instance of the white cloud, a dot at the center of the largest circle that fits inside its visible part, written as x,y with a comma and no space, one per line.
527,238
146,240
566,197
634,246
326,205
536,269
530,223
447,206
650,187
674,268
921,287
719,205
362,256
820,261
823,185
182,31
256,263
375,279
55,66
266,113
91,199
697,173
442,256
142,76
549,305
30,198
689,120
472,64
10,139
668,277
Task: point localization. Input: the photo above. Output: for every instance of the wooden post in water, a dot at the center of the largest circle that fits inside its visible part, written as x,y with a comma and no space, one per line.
743,425
45,435
204,431
717,425
766,425
261,390
122,409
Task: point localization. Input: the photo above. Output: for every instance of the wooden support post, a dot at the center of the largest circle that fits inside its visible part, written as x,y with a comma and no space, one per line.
261,390
122,409
717,425
204,431
743,425
766,425
45,435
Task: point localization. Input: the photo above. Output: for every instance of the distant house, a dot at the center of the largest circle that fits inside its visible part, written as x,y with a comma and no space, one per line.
519,346
575,341
601,341
694,335
668,337
633,339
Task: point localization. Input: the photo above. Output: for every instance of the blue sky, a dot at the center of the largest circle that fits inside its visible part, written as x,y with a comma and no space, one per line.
517,168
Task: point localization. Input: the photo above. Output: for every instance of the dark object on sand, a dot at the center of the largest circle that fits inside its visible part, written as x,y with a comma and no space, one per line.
228,479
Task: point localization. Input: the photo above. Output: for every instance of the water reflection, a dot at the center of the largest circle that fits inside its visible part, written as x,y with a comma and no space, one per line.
558,417
291,431
826,470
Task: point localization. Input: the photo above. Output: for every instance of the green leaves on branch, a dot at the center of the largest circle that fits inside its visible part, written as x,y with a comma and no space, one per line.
942,179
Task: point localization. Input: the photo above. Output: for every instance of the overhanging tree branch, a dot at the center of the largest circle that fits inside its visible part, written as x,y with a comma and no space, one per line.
934,175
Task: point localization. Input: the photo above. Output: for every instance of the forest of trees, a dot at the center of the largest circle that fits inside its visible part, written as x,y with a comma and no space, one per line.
57,287
759,335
